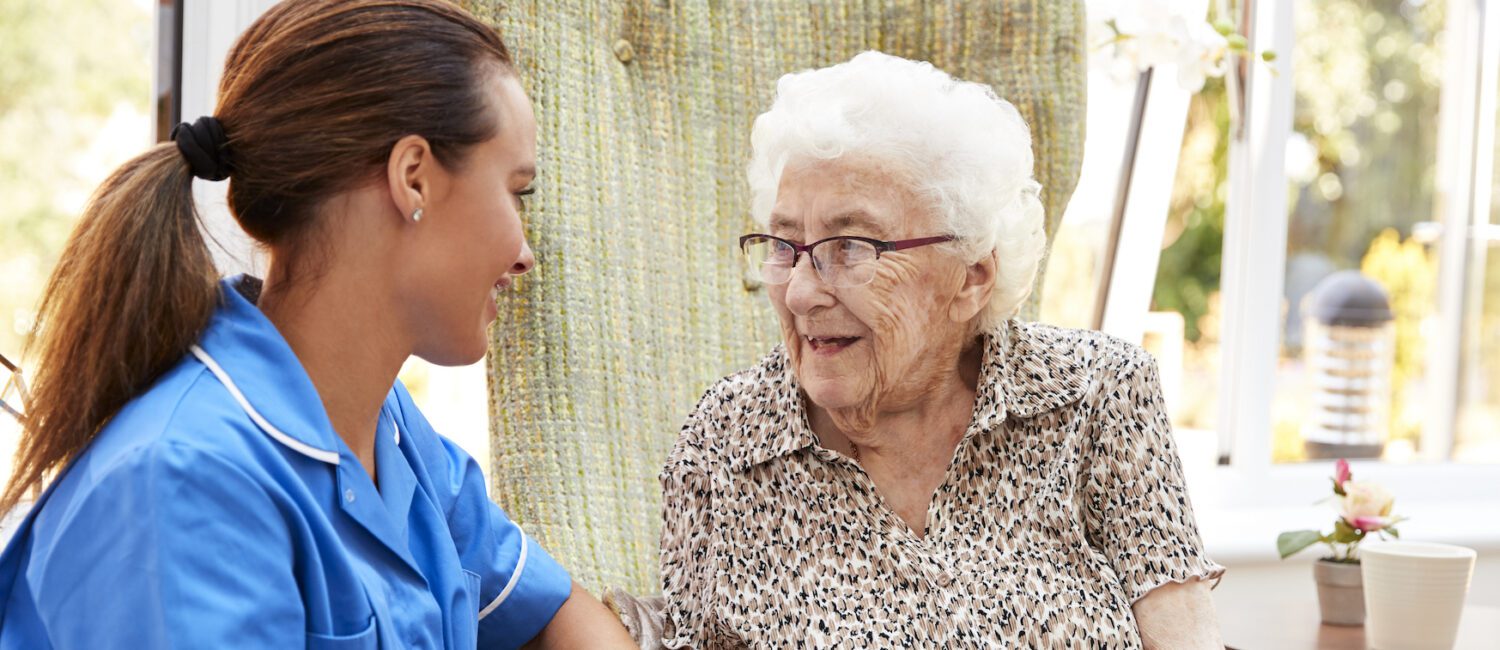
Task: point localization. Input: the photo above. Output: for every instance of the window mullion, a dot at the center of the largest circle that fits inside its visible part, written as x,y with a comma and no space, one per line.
1255,235
1148,199
1464,167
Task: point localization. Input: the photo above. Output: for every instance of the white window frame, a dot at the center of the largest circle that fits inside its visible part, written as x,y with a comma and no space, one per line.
1241,506
209,28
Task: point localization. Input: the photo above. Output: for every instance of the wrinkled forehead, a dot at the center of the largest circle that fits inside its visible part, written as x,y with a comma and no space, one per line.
847,196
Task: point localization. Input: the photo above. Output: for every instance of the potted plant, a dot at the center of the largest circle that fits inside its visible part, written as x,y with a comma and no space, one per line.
1364,509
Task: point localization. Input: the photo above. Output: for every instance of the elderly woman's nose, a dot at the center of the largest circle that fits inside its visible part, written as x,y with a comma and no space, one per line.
804,289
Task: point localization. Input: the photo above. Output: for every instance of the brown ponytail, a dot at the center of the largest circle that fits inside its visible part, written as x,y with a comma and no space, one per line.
312,99
134,288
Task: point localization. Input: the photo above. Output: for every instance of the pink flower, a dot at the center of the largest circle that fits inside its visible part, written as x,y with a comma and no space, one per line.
1341,472
1369,524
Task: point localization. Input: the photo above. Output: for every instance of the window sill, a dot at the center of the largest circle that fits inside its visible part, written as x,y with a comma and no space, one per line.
1240,513
1248,535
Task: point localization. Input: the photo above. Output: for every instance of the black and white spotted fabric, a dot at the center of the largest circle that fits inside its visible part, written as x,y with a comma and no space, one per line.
1064,505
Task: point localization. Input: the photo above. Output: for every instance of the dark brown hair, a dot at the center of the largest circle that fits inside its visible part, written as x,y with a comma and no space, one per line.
313,97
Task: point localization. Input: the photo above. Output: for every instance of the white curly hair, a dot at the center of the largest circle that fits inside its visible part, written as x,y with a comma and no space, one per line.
963,149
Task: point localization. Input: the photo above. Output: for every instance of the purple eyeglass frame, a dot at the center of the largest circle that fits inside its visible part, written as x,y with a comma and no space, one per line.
881,246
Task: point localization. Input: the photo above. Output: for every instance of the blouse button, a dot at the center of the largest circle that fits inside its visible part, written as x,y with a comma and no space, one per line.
349,496
944,579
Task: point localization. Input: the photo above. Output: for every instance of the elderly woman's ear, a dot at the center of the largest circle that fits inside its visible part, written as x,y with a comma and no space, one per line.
974,294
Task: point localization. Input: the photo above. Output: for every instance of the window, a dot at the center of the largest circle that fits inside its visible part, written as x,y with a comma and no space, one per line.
1478,426
1367,145
1360,163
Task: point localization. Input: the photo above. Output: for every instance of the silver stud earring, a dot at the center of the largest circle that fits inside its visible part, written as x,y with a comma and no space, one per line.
416,217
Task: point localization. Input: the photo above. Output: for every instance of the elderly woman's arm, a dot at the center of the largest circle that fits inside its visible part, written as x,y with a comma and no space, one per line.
1137,512
1178,616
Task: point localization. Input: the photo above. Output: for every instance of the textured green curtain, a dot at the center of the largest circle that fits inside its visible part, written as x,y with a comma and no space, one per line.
639,300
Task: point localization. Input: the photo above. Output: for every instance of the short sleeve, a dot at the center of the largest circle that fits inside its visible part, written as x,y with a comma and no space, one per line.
686,560
521,587
183,550
1137,512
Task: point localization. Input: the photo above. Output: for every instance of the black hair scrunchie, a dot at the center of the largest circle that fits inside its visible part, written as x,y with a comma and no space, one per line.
204,145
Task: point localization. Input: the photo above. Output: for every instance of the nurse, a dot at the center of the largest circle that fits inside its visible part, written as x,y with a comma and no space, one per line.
233,464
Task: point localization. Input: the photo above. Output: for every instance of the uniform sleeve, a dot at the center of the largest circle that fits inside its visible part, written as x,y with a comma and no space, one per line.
1137,512
173,548
686,561
520,586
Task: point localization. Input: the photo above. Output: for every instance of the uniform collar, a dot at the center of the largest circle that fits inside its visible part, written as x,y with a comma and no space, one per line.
248,355
1027,370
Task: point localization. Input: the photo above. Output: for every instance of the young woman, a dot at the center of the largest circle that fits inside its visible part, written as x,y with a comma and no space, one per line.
233,464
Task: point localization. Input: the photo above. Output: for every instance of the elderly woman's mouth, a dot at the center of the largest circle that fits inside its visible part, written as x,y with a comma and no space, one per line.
830,344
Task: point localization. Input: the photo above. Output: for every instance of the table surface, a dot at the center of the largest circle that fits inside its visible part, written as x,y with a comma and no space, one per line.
1294,625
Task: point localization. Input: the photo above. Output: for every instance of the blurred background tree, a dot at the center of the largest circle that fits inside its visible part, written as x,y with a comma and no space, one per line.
1363,71
75,93
1409,272
1188,276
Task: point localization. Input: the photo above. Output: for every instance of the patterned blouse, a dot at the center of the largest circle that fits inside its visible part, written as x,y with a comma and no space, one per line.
1064,504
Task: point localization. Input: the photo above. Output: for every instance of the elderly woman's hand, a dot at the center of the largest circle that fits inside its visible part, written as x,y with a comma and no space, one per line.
1179,616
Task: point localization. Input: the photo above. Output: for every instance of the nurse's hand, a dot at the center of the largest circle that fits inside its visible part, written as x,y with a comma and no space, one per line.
583,622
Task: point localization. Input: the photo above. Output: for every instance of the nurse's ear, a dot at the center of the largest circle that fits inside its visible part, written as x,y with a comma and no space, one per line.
414,176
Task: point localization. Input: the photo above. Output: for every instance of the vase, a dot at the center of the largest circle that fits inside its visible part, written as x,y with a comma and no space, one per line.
1341,592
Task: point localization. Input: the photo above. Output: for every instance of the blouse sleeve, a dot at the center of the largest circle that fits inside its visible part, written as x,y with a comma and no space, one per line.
1137,512
686,560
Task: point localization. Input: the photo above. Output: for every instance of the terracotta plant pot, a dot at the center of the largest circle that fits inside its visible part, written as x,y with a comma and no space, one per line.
1341,592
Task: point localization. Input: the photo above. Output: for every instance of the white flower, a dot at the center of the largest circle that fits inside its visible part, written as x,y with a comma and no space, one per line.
1366,506
1152,33
1202,54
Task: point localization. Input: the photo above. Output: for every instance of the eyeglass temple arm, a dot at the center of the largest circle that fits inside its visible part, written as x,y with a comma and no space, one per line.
913,243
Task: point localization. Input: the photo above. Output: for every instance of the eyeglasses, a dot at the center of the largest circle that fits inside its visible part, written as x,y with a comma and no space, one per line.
14,383
842,261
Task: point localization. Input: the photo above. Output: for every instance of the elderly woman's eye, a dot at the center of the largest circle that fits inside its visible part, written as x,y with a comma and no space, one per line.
780,252
854,251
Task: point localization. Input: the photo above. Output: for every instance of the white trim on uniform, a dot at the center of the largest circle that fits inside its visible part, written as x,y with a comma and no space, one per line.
515,577
330,457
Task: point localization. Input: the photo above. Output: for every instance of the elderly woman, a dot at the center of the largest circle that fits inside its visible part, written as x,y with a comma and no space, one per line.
911,467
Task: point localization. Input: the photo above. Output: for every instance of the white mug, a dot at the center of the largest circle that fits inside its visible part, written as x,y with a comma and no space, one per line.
1414,593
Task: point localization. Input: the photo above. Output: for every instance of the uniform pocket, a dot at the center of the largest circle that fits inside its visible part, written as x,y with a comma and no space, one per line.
365,640
471,583
466,613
